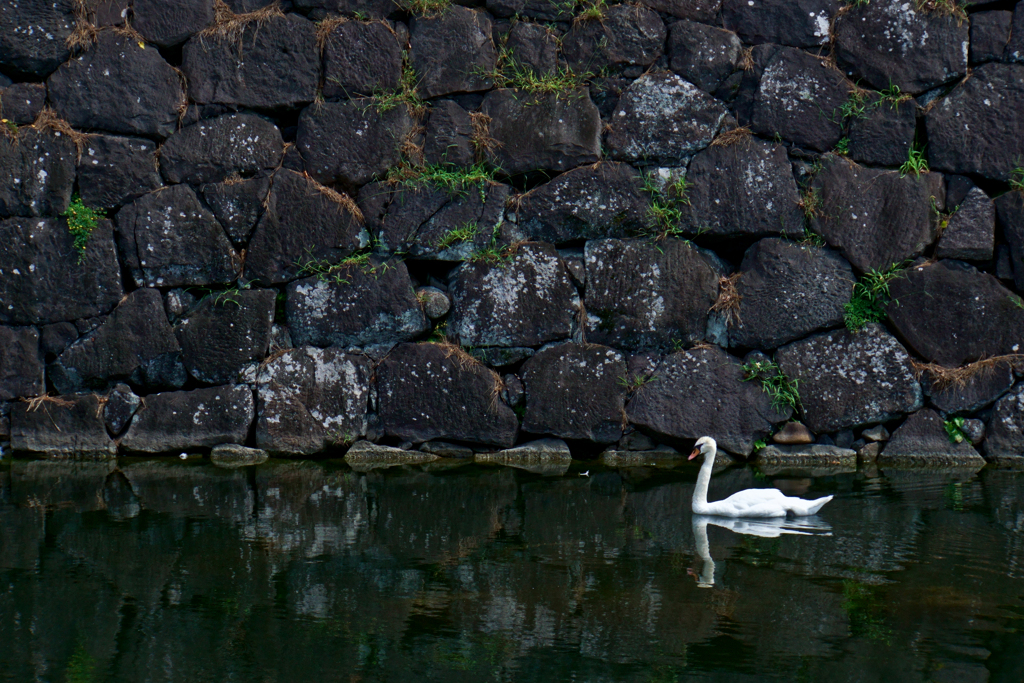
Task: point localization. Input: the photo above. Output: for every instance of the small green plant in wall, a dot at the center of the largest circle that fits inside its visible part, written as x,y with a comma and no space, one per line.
916,162
781,390
667,201
955,430
870,297
1017,179
82,220
463,233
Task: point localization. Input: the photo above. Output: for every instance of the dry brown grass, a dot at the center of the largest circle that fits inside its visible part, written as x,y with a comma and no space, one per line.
84,35
746,62
48,120
230,27
325,28
412,145
130,33
731,137
483,143
36,403
729,298
943,378
342,200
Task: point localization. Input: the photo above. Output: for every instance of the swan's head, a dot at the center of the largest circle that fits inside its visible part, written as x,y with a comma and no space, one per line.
704,445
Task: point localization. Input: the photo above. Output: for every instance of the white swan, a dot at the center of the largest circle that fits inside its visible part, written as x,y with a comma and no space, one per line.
749,503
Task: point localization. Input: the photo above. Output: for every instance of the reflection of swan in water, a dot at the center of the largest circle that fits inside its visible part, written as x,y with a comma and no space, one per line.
765,528
750,503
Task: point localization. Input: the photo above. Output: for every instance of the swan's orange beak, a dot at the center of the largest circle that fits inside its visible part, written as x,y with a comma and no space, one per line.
694,454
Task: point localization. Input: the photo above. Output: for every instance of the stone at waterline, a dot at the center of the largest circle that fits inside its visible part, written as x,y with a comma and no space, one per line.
876,433
21,363
224,332
848,379
118,86
230,456
1004,439
433,391
361,58
625,36
373,303
44,280
574,391
121,405
922,441
793,433
702,392
364,456
310,398
37,171
523,299
61,426
553,132
279,66
443,449
788,290
114,170
167,238
178,420
213,149
303,222
662,118
452,52
543,456
135,343
806,454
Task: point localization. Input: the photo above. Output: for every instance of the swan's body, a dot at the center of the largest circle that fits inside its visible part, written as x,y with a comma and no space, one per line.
750,503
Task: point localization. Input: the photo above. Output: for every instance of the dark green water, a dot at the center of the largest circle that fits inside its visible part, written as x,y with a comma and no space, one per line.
167,571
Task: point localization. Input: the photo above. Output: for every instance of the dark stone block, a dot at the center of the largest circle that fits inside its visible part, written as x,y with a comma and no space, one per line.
279,66
361,58
534,47
627,35
114,170
42,278
885,134
452,52
1010,215
875,218
374,9
22,102
744,188
847,379
922,440
362,305
888,42
310,399
701,54
787,291
499,357
37,171
168,239
949,313
226,332
1015,46
542,132
575,391
170,22
213,149
970,233
990,32
109,12
33,35
702,392
56,337
431,391
978,390
1004,438
800,23
63,426
449,135
977,127
643,294
118,86
21,364
303,222
134,343
350,142
663,119
121,405
180,420
697,10
238,204
589,202
799,99
525,301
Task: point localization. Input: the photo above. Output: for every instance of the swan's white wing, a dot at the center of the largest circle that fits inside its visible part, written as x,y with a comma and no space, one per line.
751,503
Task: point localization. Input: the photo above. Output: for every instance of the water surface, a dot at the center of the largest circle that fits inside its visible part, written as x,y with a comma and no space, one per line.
163,571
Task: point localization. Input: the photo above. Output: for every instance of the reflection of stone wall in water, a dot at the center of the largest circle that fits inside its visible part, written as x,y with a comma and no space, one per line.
634,183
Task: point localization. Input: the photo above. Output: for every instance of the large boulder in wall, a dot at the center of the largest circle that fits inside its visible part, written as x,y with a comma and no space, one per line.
310,398
34,35
800,23
118,86
452,52
847,379
180,420
43,279
950,313
62,426
702,392
37,171
213,149
434,391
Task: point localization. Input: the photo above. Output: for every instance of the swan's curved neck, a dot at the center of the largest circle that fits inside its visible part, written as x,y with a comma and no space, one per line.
700,493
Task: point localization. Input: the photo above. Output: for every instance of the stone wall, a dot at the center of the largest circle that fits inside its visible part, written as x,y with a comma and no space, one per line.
299,225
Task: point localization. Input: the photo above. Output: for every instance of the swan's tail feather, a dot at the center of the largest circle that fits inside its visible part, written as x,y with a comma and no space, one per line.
810,507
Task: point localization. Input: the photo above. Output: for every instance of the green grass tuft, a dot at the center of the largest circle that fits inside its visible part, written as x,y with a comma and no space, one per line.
856,105
463,233
455,180
843,146
916,162
82,220
337,273
665,213
955,430
427,8
782,390
384,101
870,297
1017,179
511,73
635,383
